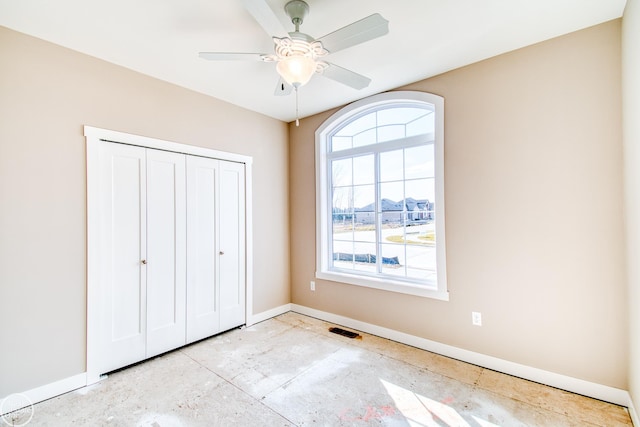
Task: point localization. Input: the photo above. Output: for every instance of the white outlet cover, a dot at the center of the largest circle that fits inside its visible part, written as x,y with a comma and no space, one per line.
476,318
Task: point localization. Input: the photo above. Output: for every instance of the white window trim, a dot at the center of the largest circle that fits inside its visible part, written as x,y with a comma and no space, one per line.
322,196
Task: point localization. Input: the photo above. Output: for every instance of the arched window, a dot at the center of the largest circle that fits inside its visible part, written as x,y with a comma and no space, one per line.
380,194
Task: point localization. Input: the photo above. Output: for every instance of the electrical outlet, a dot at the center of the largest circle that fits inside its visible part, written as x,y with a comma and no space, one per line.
313,285
476,318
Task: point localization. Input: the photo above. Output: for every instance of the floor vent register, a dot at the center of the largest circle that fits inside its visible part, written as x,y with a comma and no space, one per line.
345,333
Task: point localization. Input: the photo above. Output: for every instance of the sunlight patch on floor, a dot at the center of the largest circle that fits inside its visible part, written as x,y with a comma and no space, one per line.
422,411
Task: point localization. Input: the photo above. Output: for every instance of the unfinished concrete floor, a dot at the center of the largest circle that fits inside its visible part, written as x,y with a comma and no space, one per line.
290,371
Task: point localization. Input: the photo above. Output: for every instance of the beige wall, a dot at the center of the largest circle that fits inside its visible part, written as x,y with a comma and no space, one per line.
533,137
631,137
47,93
533,197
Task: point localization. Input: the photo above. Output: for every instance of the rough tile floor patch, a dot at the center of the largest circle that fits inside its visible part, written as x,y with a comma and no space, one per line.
291,371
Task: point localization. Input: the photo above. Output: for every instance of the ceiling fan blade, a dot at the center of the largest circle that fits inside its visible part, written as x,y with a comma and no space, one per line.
230,56
264,16
283,88
366,29
346,77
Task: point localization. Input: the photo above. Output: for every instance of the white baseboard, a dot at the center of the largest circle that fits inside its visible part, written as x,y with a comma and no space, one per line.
268,314
46,391
575,385
632,412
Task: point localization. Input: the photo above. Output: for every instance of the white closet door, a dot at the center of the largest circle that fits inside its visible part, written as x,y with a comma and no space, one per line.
232,245
121,249
203,318
166,251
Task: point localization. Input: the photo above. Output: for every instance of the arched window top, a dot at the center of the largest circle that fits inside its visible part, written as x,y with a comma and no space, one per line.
380,118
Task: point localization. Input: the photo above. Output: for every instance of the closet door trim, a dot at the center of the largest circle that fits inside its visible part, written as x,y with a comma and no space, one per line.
94,137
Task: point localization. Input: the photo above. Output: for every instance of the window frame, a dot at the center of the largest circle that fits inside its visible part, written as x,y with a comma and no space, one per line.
336,121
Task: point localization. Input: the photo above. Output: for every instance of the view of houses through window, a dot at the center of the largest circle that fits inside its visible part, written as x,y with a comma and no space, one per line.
383,194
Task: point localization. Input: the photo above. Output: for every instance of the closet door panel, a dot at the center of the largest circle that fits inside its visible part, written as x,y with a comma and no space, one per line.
232,245
166,251
166,258
122,291
202,250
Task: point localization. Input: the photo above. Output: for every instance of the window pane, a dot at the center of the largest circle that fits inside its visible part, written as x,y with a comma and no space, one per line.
392,196
365,233
390,132
342,254
359,125
365,138
340,143
394,235
391,166
421,235
363,170
421,262
419,162
341,172
423,125
343,226
399,115
364,200
393,259
342,200
365,257
420,190
365,216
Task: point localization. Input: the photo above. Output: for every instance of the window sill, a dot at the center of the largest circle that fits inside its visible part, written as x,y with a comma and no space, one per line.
384,284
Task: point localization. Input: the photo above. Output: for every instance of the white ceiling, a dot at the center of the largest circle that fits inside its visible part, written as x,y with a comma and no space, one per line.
162,38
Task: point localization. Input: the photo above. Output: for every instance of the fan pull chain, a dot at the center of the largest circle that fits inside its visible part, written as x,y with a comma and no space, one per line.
297,120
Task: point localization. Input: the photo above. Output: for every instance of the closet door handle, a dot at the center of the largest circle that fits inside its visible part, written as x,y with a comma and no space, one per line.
221,252
144,261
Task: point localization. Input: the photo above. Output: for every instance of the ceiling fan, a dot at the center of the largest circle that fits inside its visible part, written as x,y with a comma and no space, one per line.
298,56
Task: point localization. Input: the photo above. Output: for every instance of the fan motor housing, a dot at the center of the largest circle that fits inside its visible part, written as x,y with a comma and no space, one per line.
297,35
297,10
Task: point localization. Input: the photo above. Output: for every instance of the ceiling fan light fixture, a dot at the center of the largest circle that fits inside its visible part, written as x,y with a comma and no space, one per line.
296,58
296,70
